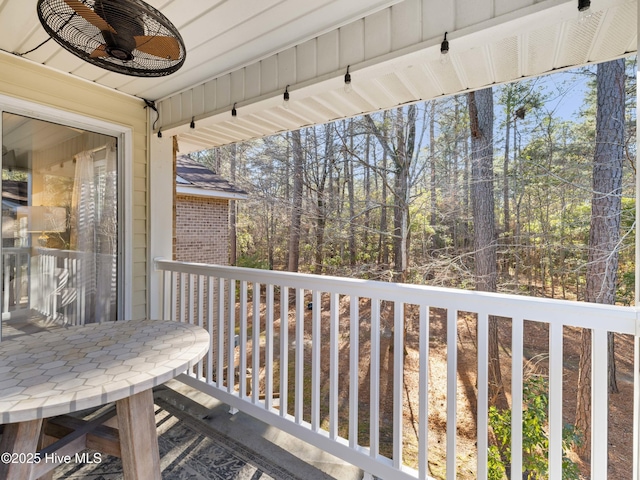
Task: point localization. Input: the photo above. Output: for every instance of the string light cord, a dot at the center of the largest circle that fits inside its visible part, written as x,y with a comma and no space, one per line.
22,54
152,105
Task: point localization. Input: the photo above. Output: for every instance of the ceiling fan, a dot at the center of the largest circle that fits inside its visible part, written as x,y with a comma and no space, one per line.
124,36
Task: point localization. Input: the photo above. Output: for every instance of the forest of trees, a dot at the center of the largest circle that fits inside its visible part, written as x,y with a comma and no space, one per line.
522,188
391,195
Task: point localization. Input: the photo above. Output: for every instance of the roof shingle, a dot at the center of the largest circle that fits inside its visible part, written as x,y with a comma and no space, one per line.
193,174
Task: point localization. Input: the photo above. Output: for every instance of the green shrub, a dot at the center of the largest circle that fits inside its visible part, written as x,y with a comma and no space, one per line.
535,439
252,261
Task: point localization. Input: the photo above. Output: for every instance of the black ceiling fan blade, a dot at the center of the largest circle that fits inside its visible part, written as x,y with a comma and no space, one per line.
163,47
90,16
101,51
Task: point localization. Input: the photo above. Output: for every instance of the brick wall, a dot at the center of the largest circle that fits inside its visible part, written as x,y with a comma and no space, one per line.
202,230
202,236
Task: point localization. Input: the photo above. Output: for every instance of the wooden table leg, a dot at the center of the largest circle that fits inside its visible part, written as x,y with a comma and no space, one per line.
138,437
43,442
19,438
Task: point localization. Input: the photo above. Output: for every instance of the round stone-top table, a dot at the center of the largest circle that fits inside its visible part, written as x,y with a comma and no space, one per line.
74,368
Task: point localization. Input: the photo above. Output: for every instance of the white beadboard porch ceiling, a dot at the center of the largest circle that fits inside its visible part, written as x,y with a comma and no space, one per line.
245,52
220,36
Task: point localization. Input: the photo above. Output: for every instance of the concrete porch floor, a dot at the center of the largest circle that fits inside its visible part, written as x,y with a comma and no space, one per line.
301,459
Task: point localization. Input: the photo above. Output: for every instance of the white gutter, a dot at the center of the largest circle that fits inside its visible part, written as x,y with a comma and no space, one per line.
202,192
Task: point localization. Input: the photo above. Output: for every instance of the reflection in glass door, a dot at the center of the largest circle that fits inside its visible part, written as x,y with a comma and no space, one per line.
59,223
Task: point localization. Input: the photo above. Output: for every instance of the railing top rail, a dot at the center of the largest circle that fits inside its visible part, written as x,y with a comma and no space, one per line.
612,318
58,253
71,254
15,249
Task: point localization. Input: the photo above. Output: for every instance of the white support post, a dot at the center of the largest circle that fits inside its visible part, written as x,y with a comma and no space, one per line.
483,394
333,364
231,336
374,388
599,403
200,319
184,279
219,341
636,406
423,426
191,295
268,346
161,184
299,380
316,303
517,345
284,350
555,401
255,345
243,339
166,294
354,368
210,320
398,378
173,306
452,392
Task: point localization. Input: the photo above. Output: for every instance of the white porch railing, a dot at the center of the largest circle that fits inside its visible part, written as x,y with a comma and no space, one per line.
58,288
15,275
231,301
74,287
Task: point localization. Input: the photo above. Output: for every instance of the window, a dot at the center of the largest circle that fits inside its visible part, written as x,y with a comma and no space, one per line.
60,238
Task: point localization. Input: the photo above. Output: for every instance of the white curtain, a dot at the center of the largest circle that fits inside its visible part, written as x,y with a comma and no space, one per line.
94,236
107,237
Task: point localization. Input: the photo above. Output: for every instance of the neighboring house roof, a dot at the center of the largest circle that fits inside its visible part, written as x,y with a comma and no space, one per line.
193,178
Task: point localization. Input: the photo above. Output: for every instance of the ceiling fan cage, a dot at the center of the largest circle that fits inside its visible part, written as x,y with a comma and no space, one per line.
124,36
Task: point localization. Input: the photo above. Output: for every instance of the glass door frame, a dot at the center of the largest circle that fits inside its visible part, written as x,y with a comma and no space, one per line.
124,136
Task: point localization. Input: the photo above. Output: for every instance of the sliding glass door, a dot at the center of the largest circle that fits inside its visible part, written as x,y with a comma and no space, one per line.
59,222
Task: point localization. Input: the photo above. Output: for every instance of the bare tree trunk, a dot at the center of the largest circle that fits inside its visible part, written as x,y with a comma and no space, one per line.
405,135
383,247
482,201
348,168
270,230
604,235
505,167
505,261
367,193
432,160
484,236
233,254
466,193
401,153
321,205
381,135
455,177
296,208
287,174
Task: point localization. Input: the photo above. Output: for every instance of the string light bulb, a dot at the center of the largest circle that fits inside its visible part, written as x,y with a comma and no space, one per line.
444,50
160,133
193,123
584,9
234,112
584,5
348,88
285,97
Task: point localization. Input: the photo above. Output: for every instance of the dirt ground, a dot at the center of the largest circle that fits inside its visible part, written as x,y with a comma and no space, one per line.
535,361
